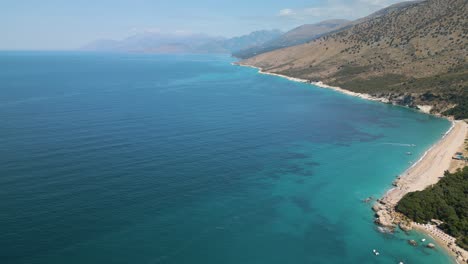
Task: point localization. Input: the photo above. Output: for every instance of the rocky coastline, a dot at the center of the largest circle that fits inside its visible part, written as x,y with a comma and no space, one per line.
390,220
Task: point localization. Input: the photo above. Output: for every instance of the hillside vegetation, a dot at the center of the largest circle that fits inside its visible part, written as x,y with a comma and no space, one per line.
412,55
447,201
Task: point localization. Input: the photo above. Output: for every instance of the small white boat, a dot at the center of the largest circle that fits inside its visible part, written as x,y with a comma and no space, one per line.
423,239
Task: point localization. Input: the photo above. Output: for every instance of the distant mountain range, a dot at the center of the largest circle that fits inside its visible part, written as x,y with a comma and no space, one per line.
299,35
245,46
309,32
412,53
156,42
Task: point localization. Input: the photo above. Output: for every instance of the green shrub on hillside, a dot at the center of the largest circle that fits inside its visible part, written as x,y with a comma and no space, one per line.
460,111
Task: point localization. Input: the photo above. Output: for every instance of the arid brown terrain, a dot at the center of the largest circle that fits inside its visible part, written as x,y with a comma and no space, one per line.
415,55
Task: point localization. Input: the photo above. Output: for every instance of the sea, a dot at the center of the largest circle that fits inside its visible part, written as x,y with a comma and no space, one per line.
142,158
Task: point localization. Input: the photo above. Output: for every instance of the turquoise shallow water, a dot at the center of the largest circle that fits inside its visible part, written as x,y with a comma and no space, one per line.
114,158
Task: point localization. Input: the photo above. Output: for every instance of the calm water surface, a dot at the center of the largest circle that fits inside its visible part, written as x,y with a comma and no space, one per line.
113,158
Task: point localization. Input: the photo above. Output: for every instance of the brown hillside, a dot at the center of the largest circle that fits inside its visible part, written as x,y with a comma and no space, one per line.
418,52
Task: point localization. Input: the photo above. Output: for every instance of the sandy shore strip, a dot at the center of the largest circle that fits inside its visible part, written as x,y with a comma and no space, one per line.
422,108
424,173
431,166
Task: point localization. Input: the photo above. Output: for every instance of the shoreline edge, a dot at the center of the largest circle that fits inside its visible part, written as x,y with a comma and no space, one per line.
412,179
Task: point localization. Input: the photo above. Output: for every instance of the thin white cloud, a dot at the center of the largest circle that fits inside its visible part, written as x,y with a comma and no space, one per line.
145,30
336,9
286,12
380,3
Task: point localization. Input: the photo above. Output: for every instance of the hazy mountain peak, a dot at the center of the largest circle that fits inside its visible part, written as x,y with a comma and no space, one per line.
296,36
182,42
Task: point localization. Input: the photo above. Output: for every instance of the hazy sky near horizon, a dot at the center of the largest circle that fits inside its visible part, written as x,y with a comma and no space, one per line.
60,24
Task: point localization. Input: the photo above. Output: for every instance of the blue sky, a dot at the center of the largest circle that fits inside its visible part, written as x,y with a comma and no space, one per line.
61,24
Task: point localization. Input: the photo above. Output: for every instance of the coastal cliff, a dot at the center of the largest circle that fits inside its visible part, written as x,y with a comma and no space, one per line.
410,56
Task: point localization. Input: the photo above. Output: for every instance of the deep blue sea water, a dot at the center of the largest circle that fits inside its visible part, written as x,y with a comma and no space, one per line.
119,158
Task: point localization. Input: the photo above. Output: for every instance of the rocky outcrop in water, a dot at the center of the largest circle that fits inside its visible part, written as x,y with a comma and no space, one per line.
387,217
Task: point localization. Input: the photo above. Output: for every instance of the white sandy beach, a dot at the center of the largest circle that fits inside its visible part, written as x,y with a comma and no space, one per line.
425,172
431,166
423,108
322,85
